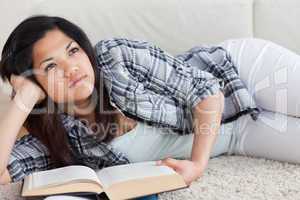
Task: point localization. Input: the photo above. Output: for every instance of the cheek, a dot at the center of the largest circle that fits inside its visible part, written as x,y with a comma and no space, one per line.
86,64
56,89
59,92
92,76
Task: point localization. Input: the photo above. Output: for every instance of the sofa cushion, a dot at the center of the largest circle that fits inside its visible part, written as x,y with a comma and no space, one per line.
278,21
175,25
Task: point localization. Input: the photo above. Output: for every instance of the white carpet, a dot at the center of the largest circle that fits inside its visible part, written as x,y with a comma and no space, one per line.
229,177
237,177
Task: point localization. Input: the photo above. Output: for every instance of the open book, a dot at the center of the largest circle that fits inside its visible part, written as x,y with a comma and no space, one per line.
118,182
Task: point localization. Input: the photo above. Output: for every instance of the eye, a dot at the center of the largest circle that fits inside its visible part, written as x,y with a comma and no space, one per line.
73,50
50,66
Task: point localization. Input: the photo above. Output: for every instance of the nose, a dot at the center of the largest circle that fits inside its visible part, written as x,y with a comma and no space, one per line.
70,69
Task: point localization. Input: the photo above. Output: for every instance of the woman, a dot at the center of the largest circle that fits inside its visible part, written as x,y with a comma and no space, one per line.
109,105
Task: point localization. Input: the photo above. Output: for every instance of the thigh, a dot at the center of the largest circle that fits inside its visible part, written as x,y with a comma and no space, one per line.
269,71
273,136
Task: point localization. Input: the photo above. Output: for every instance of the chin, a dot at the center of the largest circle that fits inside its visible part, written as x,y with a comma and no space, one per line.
83,95
75,94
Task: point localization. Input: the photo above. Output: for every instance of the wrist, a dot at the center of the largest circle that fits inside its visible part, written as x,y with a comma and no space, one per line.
202,157
200,163
25,102
199,168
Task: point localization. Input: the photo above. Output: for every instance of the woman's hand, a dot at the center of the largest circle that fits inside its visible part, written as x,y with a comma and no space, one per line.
27,90
189,170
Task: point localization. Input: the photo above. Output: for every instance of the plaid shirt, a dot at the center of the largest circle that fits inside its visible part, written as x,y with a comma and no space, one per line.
29,154
150,85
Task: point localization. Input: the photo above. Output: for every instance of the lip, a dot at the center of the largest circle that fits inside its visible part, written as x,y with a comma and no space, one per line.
73,83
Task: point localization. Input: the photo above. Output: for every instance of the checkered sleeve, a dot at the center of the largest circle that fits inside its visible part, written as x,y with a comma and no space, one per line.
217,61
158,70
28,155
148,82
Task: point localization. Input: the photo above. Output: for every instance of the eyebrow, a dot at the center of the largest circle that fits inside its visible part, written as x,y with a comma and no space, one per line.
68,46
51,58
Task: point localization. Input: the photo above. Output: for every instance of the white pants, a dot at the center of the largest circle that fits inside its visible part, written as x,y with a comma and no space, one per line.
271,73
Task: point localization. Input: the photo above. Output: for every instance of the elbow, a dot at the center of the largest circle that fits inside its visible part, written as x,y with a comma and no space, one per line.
4,177
3,182
221,100
212,104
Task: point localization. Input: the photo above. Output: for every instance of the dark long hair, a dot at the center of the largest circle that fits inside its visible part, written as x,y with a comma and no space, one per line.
17,59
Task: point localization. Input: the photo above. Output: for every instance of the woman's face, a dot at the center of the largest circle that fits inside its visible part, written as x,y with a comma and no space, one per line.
63,68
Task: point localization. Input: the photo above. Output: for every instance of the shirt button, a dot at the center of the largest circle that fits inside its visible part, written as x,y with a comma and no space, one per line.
140,79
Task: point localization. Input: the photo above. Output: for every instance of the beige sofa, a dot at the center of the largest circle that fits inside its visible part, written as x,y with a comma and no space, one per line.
177,25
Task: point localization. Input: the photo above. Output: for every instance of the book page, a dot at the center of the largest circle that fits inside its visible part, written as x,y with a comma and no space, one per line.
120,173
63,175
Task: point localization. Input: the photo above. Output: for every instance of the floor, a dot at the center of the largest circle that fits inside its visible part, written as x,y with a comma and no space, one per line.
228,177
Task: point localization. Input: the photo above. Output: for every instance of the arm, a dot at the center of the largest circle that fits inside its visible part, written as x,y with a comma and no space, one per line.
27,95
10,126
162,83
207,119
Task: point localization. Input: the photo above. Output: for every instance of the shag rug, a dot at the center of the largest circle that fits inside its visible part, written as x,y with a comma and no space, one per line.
228,177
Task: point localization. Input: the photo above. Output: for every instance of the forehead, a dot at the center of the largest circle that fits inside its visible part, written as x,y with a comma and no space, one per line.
53,42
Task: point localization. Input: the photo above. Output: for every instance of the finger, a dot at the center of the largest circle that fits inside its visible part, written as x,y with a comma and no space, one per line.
173,163
13,94
18,80
159,162
12,79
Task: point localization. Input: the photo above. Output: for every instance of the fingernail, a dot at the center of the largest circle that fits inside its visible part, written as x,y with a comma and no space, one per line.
158,162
